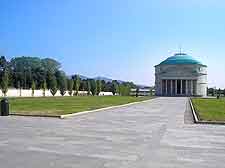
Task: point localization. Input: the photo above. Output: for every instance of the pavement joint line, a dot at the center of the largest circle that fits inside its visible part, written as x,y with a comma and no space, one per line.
101,109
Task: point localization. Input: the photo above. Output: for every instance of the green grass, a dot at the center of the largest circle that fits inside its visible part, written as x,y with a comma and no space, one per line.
54,106
210,109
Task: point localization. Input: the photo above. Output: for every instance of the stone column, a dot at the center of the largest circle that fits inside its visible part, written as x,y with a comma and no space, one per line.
195,87
166,87
175,87
191,87
161,84
171,87
181,87
186,81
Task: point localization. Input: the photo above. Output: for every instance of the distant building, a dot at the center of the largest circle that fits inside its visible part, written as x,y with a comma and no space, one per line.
105,94
181,75
141,92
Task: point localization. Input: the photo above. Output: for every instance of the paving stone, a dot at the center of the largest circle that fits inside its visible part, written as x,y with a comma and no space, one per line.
157,133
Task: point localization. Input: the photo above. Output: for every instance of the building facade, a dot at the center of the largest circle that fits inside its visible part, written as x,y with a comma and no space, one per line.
181,75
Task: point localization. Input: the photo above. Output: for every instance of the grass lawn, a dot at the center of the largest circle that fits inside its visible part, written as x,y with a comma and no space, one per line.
210,109
55,106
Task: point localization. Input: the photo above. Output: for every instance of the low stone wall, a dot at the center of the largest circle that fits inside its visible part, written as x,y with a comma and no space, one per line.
39,93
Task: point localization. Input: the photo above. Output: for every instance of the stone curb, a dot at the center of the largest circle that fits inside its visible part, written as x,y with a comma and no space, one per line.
33,115
101,109
196,117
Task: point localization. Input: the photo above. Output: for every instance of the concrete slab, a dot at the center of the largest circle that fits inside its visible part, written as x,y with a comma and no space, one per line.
157,133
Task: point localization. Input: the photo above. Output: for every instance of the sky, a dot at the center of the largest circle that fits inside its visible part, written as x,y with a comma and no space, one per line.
119,39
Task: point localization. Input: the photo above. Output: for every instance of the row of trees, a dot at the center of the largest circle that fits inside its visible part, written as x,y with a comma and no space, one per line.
46,74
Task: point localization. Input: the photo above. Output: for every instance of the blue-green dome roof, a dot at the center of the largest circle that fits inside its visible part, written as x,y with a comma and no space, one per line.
180,58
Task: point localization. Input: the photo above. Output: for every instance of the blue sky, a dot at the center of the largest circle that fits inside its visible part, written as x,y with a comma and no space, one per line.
121,39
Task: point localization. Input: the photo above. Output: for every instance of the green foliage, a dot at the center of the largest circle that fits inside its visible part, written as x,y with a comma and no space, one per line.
218,93
3,66
114,87
118,88
137,92
53,85
215,92
22,71
62,82
70,86
4,82
93,87
98,86
89,87
26,69
44,87
33,87
76,84
125,89
151,91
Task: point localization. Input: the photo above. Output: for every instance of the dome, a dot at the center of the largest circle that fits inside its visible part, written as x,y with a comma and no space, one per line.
180,58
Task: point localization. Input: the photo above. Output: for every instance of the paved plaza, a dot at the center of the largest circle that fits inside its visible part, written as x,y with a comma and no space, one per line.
158,133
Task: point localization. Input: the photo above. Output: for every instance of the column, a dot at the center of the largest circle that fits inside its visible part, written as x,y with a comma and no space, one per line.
171,87
181,86
195,87
166,87
186,81
175,87
161,86
191,87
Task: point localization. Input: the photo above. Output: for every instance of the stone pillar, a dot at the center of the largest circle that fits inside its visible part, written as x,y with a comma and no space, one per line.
175,87
161,84
166,87
195,87
186,91
171,87
191,87
181,86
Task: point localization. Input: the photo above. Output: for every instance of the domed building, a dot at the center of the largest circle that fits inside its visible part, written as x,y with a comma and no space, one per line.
181,75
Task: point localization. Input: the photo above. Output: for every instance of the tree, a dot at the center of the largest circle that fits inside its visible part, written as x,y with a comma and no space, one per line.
62,83
151,91
98,87
213,91
4,82
19,87
53,84
33,87
44,87
224,92
3,65
103,83
77,84
114,86
26,69
70,86
137,92
125,89
218,93
118,88
50,64
89,87
93,87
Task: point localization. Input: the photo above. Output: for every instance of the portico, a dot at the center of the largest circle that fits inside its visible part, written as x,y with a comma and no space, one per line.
178,87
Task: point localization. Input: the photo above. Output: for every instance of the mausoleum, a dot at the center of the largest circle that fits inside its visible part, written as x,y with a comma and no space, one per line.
181,75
